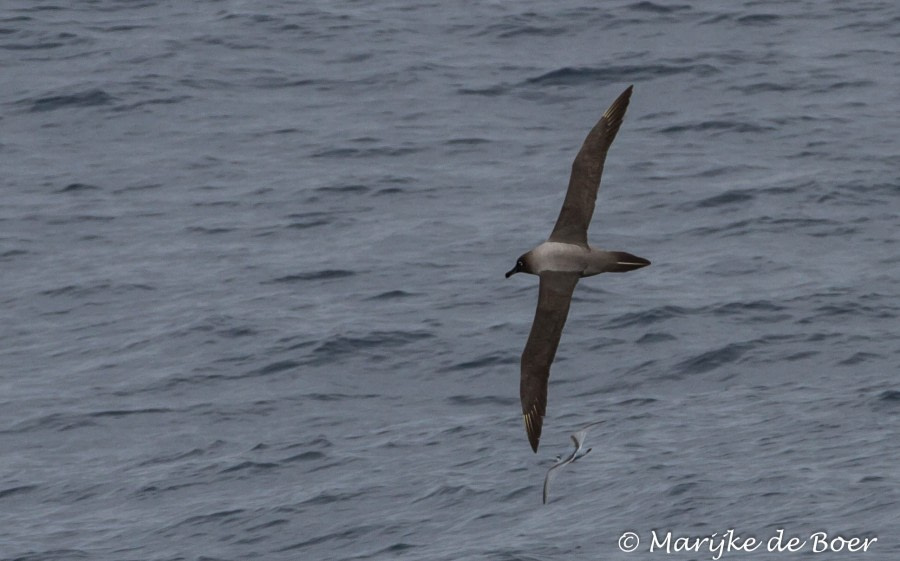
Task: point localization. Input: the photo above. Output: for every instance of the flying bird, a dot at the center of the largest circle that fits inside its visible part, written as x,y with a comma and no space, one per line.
578,440
563,259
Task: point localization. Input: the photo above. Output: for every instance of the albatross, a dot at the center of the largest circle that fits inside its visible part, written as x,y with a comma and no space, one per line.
563,259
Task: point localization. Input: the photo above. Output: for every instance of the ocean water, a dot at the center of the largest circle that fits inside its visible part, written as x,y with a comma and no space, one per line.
251,275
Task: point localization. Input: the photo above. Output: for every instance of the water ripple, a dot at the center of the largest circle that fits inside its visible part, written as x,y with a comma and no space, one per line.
87,98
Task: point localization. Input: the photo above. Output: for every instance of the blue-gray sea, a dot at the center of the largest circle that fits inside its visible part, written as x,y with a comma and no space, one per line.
252,292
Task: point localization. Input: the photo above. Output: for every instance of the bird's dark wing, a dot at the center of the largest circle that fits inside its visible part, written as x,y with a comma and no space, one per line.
578,207
552,309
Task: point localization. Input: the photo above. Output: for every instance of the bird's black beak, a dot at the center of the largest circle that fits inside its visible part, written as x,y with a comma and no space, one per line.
512,271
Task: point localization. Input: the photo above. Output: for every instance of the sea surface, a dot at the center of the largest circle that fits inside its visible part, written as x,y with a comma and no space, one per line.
252,292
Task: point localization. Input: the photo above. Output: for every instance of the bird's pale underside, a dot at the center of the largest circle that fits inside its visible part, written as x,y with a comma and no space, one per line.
563,259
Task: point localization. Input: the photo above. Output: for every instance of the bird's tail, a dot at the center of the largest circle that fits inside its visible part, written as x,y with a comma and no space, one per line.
626,262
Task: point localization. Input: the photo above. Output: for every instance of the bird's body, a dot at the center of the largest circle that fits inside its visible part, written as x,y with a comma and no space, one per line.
574,258
563,259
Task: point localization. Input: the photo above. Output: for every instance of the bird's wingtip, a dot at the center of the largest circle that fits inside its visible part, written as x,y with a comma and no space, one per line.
533,423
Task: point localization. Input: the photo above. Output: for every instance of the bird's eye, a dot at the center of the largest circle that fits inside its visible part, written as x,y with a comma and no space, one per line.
519,263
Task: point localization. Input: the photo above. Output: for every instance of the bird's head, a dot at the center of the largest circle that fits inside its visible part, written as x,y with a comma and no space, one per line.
521,266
